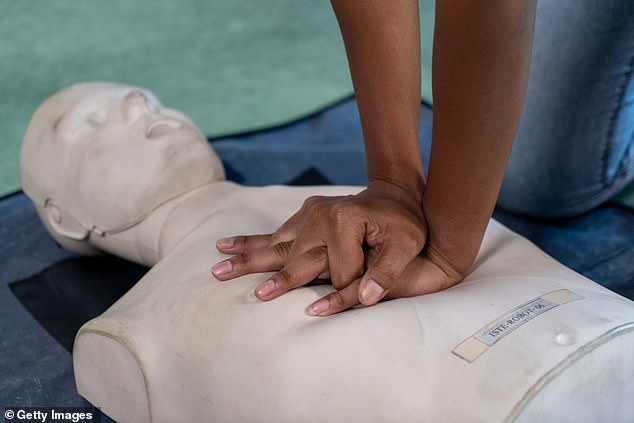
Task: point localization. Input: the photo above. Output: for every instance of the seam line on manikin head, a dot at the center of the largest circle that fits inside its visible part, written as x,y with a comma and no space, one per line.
101,232
141,218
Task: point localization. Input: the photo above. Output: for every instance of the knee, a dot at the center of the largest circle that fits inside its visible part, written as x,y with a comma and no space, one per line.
537,198
557,193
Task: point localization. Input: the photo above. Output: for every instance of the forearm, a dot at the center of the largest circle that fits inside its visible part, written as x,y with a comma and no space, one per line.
383,46
480,72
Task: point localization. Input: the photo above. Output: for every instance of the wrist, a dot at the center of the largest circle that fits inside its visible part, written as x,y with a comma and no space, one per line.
396,161
453,236
407,193
401,182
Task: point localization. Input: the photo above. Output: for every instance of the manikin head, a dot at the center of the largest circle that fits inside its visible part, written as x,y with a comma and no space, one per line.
100,157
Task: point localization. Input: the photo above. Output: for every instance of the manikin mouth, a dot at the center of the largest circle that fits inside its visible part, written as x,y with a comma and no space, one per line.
162,127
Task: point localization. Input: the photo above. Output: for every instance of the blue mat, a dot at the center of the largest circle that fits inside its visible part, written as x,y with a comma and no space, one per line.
326,147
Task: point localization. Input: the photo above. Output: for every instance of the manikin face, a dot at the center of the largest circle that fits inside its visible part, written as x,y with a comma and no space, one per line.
103,115
109,154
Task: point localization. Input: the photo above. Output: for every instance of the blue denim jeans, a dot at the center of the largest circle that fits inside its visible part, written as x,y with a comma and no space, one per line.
574,145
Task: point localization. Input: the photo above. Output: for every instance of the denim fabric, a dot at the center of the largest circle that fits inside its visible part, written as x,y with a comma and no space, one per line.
574,145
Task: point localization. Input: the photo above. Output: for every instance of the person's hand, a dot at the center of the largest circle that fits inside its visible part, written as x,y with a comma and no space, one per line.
427,273
365,241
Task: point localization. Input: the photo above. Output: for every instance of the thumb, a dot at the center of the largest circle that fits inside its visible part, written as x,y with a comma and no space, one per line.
422,276
383,273
370,291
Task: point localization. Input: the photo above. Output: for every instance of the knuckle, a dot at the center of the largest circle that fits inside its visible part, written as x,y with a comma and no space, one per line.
338,283
321,208
317,255
346,271
405,243
240,242
240,262
315,217
337,301
312,201
277,237
282,280
414,238
282,249
343,279
341,213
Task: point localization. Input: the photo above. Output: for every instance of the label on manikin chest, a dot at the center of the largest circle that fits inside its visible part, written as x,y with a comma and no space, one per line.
474,346
511,321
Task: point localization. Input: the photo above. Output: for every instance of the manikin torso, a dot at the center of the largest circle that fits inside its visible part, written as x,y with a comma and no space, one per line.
182,346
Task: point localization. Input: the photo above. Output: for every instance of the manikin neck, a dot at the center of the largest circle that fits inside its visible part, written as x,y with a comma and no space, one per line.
148,241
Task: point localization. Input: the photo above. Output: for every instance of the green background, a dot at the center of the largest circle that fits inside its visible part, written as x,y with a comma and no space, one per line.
231,65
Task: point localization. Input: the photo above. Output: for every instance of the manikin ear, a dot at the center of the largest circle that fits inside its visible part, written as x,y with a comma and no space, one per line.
65,230
63,223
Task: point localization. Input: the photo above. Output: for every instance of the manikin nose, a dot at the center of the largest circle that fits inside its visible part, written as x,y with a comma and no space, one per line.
135,105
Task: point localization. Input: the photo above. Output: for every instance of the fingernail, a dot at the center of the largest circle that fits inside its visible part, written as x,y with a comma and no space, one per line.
319,307
372,292
222,268
266,288
226,242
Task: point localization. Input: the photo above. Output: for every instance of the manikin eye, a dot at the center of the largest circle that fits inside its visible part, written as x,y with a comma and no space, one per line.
73,127
96,119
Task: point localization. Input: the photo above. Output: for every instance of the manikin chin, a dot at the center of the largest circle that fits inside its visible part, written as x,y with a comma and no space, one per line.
110,170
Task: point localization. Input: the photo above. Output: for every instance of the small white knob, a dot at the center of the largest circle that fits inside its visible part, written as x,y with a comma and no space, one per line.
564,339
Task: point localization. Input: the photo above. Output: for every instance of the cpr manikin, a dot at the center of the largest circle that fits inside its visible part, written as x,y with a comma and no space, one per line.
522,338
